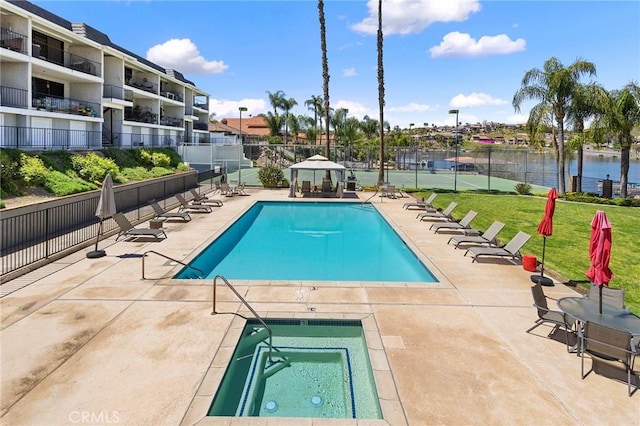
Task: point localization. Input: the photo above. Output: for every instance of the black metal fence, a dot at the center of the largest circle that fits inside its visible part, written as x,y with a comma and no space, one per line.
39,233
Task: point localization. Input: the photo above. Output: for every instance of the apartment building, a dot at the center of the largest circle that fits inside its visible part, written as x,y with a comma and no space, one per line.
65,85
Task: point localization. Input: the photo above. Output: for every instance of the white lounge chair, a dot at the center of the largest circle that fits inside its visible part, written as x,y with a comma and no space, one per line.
421,205
511,249
463,225
436,215
488,237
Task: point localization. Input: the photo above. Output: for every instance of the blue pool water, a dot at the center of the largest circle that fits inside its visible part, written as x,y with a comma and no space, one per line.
321,241
318,368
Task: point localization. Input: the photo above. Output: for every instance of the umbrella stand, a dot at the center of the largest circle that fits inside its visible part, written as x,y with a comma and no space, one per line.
94,254
541,279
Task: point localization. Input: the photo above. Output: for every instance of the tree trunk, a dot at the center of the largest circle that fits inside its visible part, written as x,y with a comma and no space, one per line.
381,93
624,167
578,187
561,169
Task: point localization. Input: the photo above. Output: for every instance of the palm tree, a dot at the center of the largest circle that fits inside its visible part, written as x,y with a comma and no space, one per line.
622,114
315,104
381,93
287,104
274,122
537,123
554,85
276,100
325,77
587,102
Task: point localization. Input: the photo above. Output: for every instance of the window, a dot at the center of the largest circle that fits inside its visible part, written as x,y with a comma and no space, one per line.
51,49
46,87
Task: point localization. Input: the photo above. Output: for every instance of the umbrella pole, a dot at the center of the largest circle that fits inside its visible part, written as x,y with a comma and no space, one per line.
600,299
541,279
95,253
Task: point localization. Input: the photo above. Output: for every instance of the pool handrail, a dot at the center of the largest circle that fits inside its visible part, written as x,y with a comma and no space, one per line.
374,194
242,299
201,275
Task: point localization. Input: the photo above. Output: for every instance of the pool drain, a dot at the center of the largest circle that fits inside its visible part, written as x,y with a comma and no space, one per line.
271,406
316,401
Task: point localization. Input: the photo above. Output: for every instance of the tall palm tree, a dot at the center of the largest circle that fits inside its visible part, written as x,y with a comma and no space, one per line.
536,124
325,77
380,93
315,104
287,104
554,85
587,102
276,100
621,115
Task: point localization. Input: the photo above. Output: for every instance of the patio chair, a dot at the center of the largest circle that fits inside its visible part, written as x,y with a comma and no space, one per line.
388,191
608,347
185,205
488,237
218,187
160,213
326,187
128,230
421,205
306,187
511,249
463,225
203,199
610,296
225,190
546,315
436,215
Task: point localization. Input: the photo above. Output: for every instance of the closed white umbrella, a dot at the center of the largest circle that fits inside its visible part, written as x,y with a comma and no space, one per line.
106,208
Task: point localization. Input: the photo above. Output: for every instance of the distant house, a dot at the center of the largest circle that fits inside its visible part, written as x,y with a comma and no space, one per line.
484,139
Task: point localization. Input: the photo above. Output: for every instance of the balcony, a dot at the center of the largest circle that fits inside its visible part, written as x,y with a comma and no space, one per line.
143,84
171,121
66,59
174,96
13,41
58,104
140,115
13,97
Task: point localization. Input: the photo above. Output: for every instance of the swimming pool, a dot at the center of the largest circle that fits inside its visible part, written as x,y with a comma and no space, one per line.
320,241
318,368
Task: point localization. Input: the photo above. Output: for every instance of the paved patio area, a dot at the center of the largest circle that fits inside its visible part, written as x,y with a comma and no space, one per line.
89,342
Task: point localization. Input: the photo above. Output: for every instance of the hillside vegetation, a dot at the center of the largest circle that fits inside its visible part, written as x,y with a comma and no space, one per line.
63,172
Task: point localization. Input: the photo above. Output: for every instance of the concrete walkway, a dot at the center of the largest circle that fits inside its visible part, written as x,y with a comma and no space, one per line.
93,343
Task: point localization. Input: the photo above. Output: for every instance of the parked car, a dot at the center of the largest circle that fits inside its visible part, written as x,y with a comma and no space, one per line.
465,167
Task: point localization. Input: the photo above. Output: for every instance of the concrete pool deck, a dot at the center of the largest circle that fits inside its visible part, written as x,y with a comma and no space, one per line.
87,341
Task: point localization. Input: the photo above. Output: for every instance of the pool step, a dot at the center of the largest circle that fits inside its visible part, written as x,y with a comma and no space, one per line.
276,365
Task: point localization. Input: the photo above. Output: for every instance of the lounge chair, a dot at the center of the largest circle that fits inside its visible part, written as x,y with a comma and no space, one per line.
546,315
488,237
326,187
203,199
185,205
225,190
610,296
422,205
388,191
463,225
511,249
160,213
306,187
128,230
444,214
608,346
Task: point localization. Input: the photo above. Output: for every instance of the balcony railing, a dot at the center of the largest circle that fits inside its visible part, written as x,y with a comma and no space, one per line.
172,95
66,59
136,140
13,97
46,102
200,126
141,115
47,139
143,84
200,102
114,92
171,121
13,41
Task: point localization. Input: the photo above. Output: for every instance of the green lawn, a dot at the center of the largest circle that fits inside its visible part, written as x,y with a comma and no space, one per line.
567,252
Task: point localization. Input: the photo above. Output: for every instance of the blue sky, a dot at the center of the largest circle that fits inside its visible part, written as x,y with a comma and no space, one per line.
438,54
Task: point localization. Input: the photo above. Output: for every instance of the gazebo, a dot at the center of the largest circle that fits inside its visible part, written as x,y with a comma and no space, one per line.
316,162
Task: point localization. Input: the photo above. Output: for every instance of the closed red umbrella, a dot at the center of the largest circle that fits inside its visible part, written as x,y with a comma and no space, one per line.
600,252
545,228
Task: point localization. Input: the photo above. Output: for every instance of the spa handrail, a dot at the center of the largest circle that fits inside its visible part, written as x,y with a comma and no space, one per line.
374,194
242,299
201,275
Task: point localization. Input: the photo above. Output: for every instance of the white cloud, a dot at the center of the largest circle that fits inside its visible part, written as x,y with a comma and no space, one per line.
183,56
412,16
516,119
225,108
462,44
411,107
355,109
475,100
349,72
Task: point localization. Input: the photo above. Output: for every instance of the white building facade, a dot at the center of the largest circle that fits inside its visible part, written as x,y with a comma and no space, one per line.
65,85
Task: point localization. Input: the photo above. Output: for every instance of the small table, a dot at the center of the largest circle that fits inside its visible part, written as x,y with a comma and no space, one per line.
156,223
585,309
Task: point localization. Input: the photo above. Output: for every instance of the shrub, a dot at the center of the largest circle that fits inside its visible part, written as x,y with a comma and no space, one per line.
182,167
9,171
136,173
523,189
160,171
32,170
270,176
93,168
158,159
60,184
123,157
